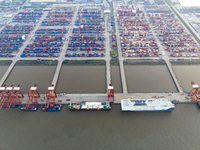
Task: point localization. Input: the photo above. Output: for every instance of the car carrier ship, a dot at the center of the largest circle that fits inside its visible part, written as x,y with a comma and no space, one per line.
89,106
148,105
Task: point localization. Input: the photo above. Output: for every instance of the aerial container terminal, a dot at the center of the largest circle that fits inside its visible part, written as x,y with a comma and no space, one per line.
110,34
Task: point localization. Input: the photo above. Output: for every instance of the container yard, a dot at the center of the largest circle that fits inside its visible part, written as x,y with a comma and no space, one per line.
44,46
17,29
60,17
176,40
135,35
51,31
29,16
10,44
86,46
88,34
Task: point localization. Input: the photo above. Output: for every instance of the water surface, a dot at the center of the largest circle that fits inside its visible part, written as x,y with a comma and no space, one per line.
115,79
113,130
187,74
148,79
82,79
28,76
3,70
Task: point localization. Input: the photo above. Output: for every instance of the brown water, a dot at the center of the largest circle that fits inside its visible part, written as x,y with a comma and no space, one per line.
148,79
81,79
186,74
115,79
3,70
103,130
27,76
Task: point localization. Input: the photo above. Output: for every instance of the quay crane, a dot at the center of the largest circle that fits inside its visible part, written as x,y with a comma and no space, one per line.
11,95
16,96
50,95
195,92
111,93
50,100
6,92
32,103
1,92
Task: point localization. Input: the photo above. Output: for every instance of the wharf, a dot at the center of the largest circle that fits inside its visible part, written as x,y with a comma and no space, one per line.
98,97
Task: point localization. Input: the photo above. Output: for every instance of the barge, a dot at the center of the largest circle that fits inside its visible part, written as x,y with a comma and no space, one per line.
148,105
12,106
89,106
32,107
52,107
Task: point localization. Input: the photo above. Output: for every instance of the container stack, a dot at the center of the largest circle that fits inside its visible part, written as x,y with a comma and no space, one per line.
87,39
9,44
59,17
17,29
135,35
28,16
177,41
44,46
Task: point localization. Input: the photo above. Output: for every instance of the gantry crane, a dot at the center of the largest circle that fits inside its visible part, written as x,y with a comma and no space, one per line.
33,96
1,92
15,96
111,93
50,95
195,92
6,96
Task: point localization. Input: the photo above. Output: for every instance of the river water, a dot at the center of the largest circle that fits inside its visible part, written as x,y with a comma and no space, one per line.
187,74
92,79
148,79
103,130
82,79
3,70
27,76
115,79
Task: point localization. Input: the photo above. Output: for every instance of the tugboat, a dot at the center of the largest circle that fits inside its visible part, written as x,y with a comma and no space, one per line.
32,107
52,107
90,106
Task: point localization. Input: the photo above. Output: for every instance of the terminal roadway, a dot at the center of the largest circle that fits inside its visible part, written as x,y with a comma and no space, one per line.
107,47
121,60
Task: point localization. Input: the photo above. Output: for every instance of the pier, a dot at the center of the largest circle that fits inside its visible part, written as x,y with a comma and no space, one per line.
121,59
107,57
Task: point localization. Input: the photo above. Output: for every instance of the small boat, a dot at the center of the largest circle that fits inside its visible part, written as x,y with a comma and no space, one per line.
198,104
89,106
52,107
32,107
